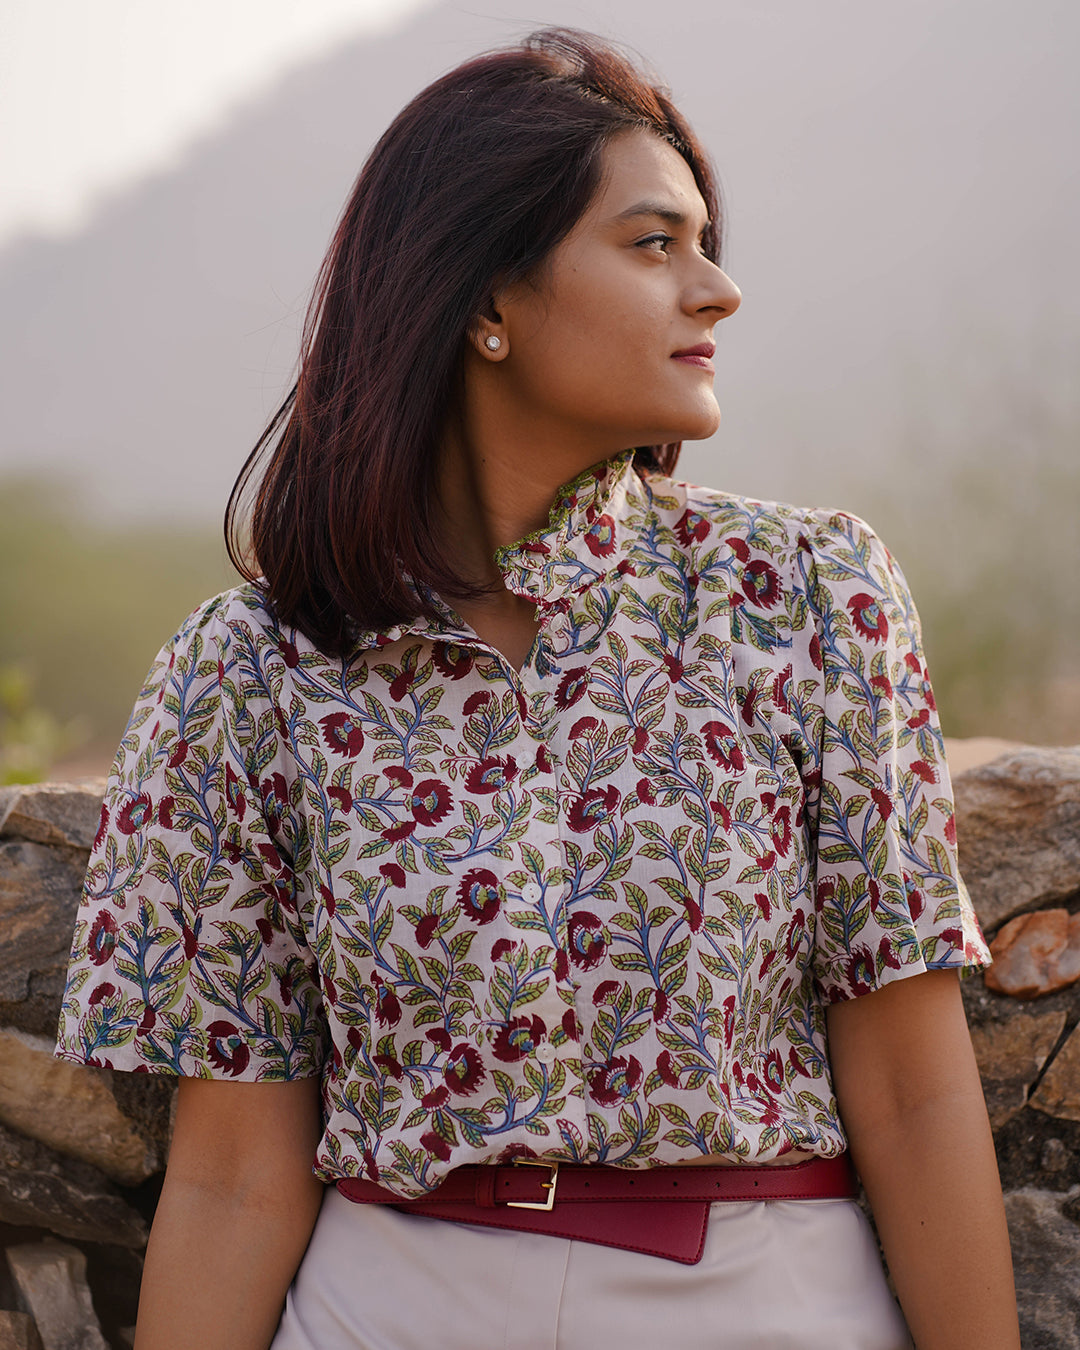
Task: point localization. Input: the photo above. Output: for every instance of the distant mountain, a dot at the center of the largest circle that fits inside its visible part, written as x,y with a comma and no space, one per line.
903,207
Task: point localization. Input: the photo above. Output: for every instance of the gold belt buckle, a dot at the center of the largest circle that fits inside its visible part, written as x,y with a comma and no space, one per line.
548,1185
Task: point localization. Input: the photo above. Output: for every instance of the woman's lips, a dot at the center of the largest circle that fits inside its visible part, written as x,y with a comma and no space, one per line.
697,356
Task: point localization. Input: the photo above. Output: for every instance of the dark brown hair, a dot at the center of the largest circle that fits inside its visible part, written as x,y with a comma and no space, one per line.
476,180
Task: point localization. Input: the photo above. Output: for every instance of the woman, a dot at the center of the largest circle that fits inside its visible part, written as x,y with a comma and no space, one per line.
543,810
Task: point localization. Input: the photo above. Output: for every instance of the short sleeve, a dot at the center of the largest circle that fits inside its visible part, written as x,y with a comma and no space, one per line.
189,955
888,897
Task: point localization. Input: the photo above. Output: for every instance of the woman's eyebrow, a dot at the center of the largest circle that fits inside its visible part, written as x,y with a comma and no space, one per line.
654,208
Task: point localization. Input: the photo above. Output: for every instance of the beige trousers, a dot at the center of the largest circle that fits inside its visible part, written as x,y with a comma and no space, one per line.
775,1275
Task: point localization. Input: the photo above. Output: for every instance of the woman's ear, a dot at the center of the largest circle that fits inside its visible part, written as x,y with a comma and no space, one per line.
488,332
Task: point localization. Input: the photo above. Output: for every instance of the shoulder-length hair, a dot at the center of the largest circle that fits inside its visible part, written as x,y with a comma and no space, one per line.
475,181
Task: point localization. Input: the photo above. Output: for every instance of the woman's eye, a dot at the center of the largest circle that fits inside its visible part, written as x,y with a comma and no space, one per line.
662,239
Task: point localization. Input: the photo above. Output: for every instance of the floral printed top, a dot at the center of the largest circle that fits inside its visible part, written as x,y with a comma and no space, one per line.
589,910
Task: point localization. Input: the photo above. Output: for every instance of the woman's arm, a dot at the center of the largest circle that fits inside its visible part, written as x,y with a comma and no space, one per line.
235,1214
912,1104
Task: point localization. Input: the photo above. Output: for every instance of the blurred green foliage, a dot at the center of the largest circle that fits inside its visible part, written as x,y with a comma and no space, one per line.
84,607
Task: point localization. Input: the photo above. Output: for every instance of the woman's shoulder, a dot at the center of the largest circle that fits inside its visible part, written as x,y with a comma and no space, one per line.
708,515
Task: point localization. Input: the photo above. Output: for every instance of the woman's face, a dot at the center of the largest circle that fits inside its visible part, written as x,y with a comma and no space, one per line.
591,346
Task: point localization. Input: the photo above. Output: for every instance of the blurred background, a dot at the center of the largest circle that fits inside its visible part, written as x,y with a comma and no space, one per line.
902,201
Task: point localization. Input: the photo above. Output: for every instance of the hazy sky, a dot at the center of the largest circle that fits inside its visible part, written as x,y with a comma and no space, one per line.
94,93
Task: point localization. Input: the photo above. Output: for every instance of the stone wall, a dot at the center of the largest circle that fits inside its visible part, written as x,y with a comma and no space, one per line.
82,1151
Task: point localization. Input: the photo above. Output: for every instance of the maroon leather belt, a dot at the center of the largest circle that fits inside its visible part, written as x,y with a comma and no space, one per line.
663,1211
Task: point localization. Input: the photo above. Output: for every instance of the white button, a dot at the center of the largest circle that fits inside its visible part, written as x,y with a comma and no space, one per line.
545,1052
531,893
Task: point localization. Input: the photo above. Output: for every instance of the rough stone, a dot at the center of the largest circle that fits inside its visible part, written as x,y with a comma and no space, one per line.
1036,954
18,1331
1059,1092
1054,1156
1018,831
51,1280
39,894
1046,1262
1010,1054
64,815
70,1108
43,1189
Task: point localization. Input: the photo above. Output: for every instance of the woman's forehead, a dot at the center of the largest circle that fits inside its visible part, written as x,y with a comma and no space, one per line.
644,176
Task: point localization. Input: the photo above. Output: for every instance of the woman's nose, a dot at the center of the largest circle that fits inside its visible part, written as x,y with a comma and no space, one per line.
715,291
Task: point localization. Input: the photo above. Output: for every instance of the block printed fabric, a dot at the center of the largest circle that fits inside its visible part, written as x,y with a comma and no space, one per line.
591,910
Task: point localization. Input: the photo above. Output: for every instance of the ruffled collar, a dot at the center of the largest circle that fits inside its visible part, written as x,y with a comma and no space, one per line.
584,539
591,523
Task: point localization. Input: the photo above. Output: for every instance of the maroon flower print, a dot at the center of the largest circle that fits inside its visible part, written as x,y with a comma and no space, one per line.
476,701
179,754
289,654
666,1069
103,826
882,684
103,937
645,794
761,583
135,813
600,537
773,1071
587,939
593,808
401,830
453,662
101,992
387,1007
343,733
401,684
868,617
164,812
882,801
464,1070
436,1145
572,687
518,1038
190,939
582,727
722,747
604,992
234,793
543,759
859,968
342,797
616,1081
501,947
781,831
924,771
480,895
915,899
430,801
739,547
692,528
491,775
674,666
793,934
426,929
394,874
226,1048
438,1096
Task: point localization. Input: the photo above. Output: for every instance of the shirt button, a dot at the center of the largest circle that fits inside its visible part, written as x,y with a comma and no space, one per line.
531,893
545,1052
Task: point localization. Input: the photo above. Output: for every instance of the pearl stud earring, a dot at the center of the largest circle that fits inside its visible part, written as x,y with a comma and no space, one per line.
494,343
